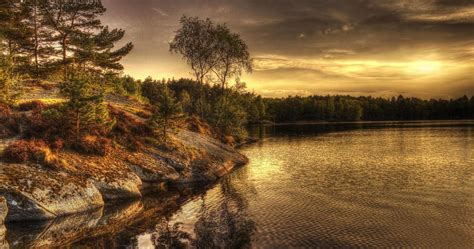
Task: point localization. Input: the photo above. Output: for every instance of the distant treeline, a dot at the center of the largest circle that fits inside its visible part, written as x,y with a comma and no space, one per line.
347,108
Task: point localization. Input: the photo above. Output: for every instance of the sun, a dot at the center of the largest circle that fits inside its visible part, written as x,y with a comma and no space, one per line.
425,67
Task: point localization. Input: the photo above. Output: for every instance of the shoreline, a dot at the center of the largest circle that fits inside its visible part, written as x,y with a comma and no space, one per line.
34,192
359,122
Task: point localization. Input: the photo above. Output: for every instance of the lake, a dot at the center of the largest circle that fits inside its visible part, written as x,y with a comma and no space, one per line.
374,184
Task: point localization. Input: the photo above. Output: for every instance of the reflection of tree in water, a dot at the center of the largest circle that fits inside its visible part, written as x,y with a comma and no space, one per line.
170,235
227,226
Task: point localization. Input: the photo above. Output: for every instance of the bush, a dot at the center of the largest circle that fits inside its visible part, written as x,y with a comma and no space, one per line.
31,105
9,126
128,130
144,114
23,151
17,152
130,85
48,124
5,111
93,145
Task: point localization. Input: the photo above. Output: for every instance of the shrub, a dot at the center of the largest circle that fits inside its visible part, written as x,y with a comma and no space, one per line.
144,114
49,124
31,105
57,144
16,152
93,145
5,111
195,124
9,126
130,85
33,151
128,130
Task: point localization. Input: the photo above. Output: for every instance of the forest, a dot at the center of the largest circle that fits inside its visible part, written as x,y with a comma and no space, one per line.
64,45
348,108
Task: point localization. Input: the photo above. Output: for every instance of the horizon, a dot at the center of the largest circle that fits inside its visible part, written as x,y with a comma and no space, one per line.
422,49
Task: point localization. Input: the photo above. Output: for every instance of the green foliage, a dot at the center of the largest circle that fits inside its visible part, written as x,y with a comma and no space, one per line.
130,85
347,108
232,55
210,48
229,116
185,101
226,113
165,106
85,107
42,36
94,51
9,82
196,42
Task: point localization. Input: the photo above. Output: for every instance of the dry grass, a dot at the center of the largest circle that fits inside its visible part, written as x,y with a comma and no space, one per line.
23,151
93,145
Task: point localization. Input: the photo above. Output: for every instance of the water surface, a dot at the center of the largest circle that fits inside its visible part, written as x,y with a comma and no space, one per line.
310,185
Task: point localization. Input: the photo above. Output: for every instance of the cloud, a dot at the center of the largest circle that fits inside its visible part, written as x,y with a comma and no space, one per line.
160,12
348,46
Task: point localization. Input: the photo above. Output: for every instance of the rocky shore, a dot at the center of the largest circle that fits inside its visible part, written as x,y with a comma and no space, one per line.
84,182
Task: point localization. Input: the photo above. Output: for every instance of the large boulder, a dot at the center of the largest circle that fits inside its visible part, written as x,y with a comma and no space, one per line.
36,193
212,159
110,174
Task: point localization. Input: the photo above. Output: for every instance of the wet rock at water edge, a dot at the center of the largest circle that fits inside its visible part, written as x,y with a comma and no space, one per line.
3,214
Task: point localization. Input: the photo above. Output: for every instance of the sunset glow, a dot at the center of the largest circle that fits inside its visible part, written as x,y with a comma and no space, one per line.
320,47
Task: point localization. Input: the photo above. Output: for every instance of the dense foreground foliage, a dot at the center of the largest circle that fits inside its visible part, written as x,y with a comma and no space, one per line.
348,108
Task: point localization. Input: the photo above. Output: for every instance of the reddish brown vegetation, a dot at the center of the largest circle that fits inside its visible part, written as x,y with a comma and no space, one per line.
49,124
144,114
8,123
128,130
31,105
52,126
28,151
196,124
93,145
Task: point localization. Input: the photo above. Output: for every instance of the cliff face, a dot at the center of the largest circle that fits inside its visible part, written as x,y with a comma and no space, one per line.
81,183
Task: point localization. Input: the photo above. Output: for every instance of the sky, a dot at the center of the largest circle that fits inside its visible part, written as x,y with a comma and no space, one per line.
419,48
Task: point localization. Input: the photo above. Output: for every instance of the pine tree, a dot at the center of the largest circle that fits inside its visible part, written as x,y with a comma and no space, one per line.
165,108
86,107
14,34
70,20
9,82
95,51
40,47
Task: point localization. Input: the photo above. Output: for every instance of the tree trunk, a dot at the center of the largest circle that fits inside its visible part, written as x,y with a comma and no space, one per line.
78,123
36,39
165,124
64,46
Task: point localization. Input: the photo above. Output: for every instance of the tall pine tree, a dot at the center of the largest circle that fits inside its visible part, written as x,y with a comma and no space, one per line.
14,33
40,47
96,52
70,19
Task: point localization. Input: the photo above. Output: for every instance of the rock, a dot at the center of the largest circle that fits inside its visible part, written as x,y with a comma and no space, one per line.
214,161
3,214
82,182
65,230
3,210
111,175
34,193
